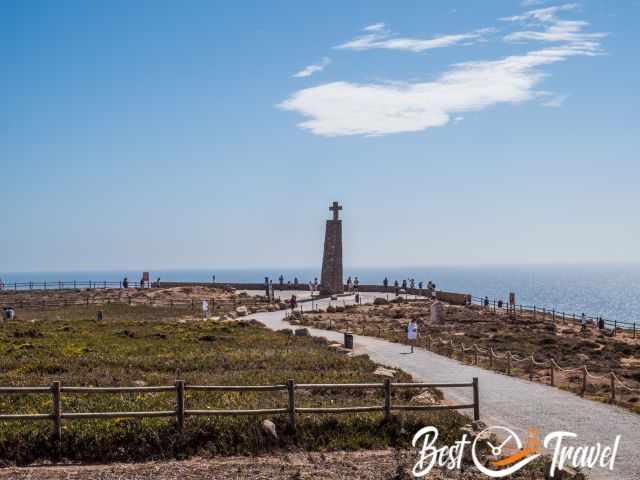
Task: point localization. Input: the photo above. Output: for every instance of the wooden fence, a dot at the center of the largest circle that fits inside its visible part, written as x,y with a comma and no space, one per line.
181,411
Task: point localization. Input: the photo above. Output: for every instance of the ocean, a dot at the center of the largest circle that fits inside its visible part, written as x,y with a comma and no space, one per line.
612,291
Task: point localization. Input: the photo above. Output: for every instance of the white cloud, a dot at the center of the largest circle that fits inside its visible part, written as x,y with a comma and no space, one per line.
458,119
531,3
547,14
376,27
378,37
347,108
311,69
344,108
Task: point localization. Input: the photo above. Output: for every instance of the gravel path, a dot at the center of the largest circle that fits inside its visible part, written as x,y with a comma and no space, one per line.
506,401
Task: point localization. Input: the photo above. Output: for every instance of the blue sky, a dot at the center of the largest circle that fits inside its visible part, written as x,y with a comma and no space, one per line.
157,134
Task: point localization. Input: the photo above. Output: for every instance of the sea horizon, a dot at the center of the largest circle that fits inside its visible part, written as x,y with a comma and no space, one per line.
610,289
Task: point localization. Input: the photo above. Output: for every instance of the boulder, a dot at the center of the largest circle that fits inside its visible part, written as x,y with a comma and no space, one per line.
269,428
242,311
380,301
384,372
286,331
302,332
425,398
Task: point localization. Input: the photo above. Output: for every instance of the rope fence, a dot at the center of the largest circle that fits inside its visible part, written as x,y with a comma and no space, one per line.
504,362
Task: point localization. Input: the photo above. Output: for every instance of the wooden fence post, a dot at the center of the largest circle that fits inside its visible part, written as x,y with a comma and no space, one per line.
57,420
612,398
180,404
462,352
531,368
387,399
552,375
476,400
291,405
490,358
584,382
475,356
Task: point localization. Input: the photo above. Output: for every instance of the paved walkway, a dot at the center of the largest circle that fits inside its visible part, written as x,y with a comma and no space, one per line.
506,401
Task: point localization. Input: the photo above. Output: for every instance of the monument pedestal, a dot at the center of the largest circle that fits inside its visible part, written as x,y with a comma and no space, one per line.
331,281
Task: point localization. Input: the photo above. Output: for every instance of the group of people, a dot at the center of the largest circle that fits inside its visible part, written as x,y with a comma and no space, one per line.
597,322
409,283
143,282
353,285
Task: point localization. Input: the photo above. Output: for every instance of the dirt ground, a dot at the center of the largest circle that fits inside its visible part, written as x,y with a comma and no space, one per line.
370,465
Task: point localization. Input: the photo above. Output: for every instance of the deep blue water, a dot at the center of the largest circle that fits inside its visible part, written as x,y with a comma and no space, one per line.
612,291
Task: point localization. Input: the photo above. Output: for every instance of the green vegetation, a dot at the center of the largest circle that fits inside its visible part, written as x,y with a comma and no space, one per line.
142,345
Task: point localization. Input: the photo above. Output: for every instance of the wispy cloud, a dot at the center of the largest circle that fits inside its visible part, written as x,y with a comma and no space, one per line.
378,37
376,27
555,102
531,3
556,30
314,68
347,108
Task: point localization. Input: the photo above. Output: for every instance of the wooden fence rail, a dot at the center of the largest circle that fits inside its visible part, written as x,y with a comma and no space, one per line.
56,390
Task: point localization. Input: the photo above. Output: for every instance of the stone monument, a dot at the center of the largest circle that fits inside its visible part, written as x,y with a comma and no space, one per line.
331,281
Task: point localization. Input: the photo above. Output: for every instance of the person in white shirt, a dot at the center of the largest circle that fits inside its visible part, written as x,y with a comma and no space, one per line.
205,309
412,333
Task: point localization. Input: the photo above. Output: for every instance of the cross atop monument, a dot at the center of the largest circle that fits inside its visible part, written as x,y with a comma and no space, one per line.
335,208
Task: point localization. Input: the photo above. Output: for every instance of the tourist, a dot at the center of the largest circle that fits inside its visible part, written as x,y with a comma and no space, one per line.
213,279
412,333
9,313
281,279
142,282
293,302
404,285
412,283
583,322
315,284
395,286
349,284
385,282
499,303
601,323
356,284
295,281
289,285
158,283
420,285
486,302
205,309
125,282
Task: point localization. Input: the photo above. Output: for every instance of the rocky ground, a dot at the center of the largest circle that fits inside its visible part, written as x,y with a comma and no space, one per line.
523,336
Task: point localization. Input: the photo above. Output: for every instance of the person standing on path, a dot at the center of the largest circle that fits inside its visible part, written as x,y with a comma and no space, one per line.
412,333
205,309
583,322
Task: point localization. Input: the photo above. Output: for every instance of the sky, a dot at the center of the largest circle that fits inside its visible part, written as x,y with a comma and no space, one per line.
159,135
